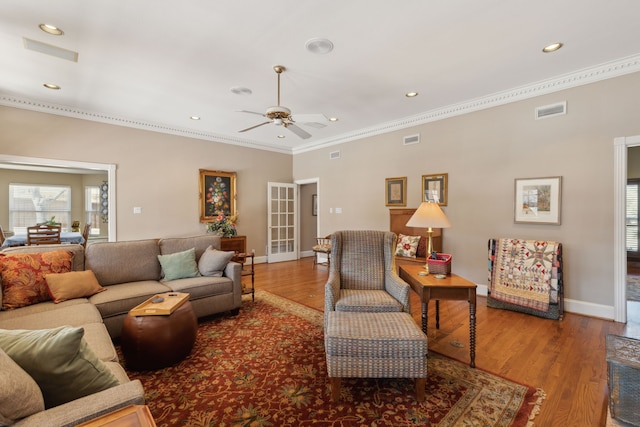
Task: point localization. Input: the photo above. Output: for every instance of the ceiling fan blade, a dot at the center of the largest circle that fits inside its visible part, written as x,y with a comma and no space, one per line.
298,131
253,127
250,112
310,118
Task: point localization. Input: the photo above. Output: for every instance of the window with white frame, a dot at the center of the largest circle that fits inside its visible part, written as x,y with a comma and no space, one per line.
92,208
31,204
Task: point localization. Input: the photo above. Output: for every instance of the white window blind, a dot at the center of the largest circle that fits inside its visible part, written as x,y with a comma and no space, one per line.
30,204
632,215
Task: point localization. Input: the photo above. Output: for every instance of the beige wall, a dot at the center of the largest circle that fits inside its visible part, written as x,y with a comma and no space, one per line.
483,152
308,222
155,171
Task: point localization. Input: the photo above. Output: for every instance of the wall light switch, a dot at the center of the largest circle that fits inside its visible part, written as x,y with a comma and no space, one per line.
338,210
330,210
137,210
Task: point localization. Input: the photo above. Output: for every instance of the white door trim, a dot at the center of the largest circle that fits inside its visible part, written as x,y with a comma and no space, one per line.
620,148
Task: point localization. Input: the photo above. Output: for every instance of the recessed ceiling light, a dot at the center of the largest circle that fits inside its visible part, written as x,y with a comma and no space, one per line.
552,47
281,136
51,86
195,117
239,90
333,119
411,94
51,29
319,46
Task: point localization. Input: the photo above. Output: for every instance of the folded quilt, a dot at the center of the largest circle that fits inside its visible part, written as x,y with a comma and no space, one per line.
523,273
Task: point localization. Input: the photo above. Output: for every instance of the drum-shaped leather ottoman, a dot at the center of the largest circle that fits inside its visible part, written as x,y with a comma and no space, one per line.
154,342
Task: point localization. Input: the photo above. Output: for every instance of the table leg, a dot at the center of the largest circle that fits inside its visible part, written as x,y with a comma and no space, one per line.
472,334
437,314
425,316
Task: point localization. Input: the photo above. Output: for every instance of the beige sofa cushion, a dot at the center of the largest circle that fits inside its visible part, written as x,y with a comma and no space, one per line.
20,396
180,244
122,262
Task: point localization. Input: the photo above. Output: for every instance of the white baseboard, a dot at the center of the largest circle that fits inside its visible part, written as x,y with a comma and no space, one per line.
573,306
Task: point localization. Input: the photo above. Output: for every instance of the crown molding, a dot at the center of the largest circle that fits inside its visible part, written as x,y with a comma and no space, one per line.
61,110
585,76
582,77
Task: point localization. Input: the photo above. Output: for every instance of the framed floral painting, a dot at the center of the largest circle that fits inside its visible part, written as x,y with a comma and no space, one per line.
217,194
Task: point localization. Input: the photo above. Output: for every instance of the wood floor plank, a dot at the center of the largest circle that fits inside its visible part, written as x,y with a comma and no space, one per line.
566,358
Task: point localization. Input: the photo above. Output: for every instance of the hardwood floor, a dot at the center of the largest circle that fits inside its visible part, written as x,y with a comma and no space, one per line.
567,358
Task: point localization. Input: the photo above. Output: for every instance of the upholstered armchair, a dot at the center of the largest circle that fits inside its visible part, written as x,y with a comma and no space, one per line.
363,275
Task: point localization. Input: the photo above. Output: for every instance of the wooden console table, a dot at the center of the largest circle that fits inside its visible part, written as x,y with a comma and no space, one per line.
452,287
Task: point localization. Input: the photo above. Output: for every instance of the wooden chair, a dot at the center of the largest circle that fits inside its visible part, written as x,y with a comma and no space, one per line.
43,235
322,246
85,233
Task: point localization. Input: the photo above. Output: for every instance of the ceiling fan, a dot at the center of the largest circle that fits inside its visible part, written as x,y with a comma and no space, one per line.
281,116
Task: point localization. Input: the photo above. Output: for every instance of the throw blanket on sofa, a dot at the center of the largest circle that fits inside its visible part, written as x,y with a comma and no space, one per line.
523,273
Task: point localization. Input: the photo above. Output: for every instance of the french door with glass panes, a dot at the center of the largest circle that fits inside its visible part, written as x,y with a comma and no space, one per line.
282,242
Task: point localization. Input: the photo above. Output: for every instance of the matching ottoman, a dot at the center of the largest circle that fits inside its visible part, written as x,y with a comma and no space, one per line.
374,345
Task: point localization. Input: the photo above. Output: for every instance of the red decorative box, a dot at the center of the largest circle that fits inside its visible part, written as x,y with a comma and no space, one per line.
442,265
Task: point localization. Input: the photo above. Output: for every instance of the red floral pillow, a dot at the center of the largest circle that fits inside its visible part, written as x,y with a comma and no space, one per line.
23,281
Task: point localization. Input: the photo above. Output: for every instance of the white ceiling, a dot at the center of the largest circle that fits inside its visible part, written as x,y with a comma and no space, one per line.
154,63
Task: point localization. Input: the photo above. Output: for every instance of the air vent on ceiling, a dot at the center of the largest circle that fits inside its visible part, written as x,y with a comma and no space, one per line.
411,139
552,110
334,155
49,49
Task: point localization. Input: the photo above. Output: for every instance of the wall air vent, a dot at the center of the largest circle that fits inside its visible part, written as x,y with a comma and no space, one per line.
411,139
552,110
334,155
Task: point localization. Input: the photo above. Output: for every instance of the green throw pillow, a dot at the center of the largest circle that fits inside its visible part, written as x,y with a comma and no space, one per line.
60,362
179,265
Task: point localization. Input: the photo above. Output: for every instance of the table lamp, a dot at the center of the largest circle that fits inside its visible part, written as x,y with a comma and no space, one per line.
429,215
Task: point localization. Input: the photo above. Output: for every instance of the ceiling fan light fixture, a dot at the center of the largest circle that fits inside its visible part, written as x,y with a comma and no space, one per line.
51,29
277,121
319,46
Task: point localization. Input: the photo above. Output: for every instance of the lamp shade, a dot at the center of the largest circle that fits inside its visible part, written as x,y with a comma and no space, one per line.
429,215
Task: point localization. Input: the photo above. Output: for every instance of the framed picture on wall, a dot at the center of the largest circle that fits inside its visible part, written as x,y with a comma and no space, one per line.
396,191
537,200
217,194
434,188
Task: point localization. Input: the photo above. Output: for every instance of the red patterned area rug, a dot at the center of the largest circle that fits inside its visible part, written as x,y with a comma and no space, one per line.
267,367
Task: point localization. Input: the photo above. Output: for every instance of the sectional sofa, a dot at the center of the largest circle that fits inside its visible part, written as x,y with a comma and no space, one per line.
127,273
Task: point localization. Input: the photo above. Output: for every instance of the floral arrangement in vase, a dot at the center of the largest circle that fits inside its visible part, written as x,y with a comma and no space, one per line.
223,226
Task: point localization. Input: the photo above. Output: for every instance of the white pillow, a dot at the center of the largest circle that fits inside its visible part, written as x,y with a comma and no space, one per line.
213,262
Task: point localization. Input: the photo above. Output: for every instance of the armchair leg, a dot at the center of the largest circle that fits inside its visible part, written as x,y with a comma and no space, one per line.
335,389
420,385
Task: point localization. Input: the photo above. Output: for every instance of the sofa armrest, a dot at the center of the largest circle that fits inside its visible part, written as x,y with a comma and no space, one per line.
233,271
88,407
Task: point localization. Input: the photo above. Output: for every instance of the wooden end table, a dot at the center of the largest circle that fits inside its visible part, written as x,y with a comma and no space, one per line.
452,287
130,416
